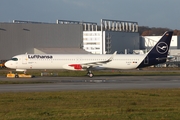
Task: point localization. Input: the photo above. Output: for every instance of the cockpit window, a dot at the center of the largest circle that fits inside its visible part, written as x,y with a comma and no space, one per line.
14,59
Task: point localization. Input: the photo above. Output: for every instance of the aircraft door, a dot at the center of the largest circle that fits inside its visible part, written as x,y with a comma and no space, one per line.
24,59
146,60
78,59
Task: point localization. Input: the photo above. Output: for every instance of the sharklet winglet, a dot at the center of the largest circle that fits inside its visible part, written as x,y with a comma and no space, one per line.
111,58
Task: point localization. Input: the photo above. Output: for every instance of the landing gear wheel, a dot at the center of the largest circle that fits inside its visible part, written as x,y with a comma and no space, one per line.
90,74
16,75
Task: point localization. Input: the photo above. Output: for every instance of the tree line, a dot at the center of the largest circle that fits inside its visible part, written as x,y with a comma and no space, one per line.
146,31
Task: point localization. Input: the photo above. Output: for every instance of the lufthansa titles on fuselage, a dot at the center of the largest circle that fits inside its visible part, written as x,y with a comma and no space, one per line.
40,56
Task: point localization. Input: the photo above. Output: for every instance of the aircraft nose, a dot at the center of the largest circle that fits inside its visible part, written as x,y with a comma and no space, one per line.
8,64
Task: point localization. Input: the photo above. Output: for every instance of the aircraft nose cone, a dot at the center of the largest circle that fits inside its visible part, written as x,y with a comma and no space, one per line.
7,64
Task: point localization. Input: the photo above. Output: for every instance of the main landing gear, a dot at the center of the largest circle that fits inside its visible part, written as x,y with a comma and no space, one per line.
90,74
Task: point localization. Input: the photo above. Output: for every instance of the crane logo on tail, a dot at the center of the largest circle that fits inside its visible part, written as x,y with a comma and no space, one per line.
162,47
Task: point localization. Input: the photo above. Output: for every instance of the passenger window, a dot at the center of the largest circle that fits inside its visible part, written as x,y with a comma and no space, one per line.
14,59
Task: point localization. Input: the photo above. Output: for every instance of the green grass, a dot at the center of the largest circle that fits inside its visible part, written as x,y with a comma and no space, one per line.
153,104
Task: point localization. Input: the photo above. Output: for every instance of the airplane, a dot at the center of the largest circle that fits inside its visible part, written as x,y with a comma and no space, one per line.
157,55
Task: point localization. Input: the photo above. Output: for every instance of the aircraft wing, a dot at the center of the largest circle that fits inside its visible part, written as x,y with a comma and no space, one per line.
92,64
101,62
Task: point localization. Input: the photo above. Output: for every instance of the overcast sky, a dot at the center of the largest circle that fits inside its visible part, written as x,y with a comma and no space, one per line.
152,13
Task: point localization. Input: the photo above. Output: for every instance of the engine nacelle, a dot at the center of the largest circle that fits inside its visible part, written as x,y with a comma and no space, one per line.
73,67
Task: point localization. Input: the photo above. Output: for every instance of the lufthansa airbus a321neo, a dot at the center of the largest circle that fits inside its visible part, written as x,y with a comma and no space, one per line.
158,54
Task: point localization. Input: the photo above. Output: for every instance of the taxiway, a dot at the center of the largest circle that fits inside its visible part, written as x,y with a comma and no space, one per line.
85,83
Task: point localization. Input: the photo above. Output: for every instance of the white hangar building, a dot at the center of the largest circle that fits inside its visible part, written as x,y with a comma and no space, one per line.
113,35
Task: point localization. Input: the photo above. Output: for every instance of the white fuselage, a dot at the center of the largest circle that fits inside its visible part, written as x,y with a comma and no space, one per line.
64,61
